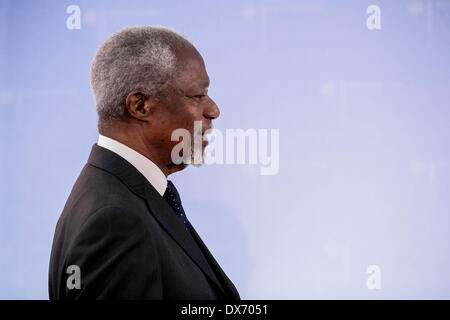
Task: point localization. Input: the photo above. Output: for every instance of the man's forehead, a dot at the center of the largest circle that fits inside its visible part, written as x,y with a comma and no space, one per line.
193,73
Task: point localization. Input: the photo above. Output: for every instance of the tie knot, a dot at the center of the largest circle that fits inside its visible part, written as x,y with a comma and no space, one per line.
171,193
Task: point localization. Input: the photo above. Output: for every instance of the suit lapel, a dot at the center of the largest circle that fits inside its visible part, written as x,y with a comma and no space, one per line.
166,217
226,282
138,184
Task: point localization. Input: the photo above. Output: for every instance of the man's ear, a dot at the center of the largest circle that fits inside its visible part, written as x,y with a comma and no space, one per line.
140,105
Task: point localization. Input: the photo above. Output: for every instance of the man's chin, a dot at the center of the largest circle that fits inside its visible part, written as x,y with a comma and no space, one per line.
197,165
198,162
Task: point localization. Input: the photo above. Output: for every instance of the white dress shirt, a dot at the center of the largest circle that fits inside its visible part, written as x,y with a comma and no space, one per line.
145,166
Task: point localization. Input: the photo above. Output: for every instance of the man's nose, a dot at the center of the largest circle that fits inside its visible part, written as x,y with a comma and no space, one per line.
212,110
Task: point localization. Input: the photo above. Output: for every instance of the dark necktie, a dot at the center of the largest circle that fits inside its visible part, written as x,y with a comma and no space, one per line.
173,199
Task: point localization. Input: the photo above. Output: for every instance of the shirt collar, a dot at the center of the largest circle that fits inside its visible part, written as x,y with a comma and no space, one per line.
145,166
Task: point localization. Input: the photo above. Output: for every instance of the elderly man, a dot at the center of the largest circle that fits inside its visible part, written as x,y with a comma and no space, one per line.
123,233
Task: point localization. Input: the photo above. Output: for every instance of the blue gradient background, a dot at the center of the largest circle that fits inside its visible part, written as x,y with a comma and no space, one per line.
364,127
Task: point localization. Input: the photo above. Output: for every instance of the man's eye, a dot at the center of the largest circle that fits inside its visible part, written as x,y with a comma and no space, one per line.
200,96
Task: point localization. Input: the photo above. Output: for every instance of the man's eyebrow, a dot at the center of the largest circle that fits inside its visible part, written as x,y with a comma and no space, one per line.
205,84
200,85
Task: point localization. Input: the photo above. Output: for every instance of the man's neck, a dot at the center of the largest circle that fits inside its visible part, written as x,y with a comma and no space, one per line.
147,149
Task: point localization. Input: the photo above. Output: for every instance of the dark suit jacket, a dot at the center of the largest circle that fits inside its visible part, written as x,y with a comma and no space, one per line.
128,242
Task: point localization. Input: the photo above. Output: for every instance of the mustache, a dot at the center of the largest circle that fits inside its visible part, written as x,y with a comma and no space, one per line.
202,132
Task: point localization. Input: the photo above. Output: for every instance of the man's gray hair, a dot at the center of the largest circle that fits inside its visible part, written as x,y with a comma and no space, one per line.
135,58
